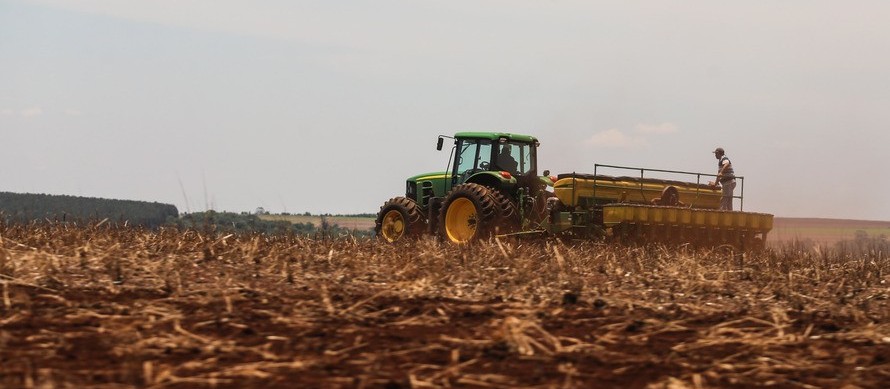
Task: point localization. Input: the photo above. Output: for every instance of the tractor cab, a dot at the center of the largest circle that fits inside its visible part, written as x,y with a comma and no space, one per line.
497,160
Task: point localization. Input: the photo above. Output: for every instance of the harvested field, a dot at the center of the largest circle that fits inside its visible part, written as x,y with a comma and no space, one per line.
824,231
102,306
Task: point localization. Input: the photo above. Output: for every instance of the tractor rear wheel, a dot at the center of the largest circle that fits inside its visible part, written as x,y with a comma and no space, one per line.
399,218
468,213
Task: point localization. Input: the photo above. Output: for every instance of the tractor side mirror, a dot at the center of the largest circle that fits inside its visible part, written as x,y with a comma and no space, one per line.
439,144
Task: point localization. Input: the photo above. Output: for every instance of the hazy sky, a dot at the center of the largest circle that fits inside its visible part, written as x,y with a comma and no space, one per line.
327,106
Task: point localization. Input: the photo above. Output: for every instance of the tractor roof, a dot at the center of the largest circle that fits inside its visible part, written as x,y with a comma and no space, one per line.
496,135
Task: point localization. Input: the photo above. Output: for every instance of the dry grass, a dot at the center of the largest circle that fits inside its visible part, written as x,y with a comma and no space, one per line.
112,307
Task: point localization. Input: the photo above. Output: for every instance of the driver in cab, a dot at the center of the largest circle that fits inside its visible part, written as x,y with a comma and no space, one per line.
505,161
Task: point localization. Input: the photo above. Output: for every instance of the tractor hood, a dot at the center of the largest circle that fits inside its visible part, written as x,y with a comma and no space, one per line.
422,187
428,176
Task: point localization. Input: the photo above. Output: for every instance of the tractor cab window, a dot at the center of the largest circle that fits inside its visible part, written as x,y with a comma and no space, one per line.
474,155
514,157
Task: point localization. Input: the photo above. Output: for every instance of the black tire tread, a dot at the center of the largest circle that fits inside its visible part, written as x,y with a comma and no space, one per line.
414,220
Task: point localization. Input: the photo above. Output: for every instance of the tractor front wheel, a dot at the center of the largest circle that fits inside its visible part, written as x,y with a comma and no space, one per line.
468,213
399,218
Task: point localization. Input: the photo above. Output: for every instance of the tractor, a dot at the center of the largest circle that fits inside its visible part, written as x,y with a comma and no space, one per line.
491,186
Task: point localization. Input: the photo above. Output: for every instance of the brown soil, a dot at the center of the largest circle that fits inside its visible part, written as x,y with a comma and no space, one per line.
106,307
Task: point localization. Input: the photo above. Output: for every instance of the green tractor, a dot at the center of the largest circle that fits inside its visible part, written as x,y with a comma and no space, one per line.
492,187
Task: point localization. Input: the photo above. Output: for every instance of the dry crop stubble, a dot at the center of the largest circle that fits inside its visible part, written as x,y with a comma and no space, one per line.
109,306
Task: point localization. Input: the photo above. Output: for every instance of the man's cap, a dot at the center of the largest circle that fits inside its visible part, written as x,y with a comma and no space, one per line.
719,150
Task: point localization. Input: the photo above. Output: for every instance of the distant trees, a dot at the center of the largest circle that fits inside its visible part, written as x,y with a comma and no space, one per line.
228,222
366,215
27,207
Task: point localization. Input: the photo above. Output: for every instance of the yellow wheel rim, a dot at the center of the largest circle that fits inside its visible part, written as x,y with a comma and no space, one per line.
460,220
393,226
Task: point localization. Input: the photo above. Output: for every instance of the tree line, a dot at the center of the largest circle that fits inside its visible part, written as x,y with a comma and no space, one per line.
27,207
230,222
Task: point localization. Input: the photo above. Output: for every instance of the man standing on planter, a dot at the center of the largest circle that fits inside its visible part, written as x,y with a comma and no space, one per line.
725,178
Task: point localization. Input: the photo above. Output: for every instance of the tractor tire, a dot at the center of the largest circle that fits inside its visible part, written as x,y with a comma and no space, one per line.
508,219
469,213
399,218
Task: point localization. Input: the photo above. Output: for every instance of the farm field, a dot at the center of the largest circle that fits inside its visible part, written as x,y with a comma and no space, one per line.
103,306
824,231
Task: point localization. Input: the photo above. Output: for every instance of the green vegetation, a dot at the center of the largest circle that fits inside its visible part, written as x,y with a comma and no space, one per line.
26,207
228,222
42,208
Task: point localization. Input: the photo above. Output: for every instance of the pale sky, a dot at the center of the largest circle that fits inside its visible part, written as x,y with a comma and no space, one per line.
328,106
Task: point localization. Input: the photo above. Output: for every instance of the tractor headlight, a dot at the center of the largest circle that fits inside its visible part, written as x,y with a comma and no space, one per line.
411,191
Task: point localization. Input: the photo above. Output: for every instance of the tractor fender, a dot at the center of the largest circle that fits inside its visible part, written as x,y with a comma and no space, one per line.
493,180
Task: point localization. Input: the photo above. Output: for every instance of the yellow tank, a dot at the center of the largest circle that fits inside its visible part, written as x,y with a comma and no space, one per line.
587,190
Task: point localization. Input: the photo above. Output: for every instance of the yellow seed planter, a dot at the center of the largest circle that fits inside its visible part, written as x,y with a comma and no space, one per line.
585,189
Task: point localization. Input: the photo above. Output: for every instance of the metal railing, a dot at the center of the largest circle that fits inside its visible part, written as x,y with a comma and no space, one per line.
698,177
